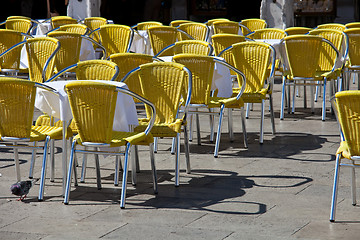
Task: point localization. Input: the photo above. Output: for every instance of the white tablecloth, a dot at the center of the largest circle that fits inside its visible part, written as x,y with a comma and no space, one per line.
59,107
221,78
141,43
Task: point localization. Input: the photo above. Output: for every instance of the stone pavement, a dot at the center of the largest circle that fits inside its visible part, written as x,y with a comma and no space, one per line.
278,190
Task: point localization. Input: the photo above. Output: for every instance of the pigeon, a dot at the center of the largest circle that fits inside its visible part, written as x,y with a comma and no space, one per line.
22,188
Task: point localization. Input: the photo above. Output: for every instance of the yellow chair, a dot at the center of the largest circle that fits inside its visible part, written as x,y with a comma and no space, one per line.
75,28
18,24
129,61
253,60
16,111
161,36
347,105
297,30
353,64
267,33
176,23
163,83
69,52
198,31
252,24
210,22
116,38
58,21
41,56
301,65
222,41
328,57
230,27
146,25
337,26
94,23
187,46
93,108
352,25
202,69
10,61
91,70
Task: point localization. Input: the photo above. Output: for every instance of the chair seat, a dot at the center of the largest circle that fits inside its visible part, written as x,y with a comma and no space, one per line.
231,102
161,130
252,97
122,138
40,132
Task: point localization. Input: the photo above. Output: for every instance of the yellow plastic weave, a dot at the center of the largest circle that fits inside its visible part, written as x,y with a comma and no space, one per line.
8,38
328,55
129,61
20,25
95,70
354,46
94,23
252,24
17,98
226,27
337,26
252,59
222,41
267,33
70,45
58,21
161,36
197,30
192,46
93,108
115,38
146,25
176,23
348,106
38,51
352,25
303,52
297,30
202,69
74,28
162,84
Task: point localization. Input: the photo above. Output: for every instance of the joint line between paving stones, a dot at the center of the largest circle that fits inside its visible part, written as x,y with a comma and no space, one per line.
228,236
300,228
195,220
113,230
14,222
303,189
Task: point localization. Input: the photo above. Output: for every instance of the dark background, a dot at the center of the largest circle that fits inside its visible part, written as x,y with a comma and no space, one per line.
130,12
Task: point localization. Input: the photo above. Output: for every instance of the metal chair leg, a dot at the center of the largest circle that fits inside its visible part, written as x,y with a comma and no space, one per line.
117,169
43,170
52,158
125,173
177,161
230,125
261,139
335,188
218,134
244,127
97,167
198,129
187,150
32,163
83,168
153,168
324,102
353,186
133,166
69,175
282,103
272,116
